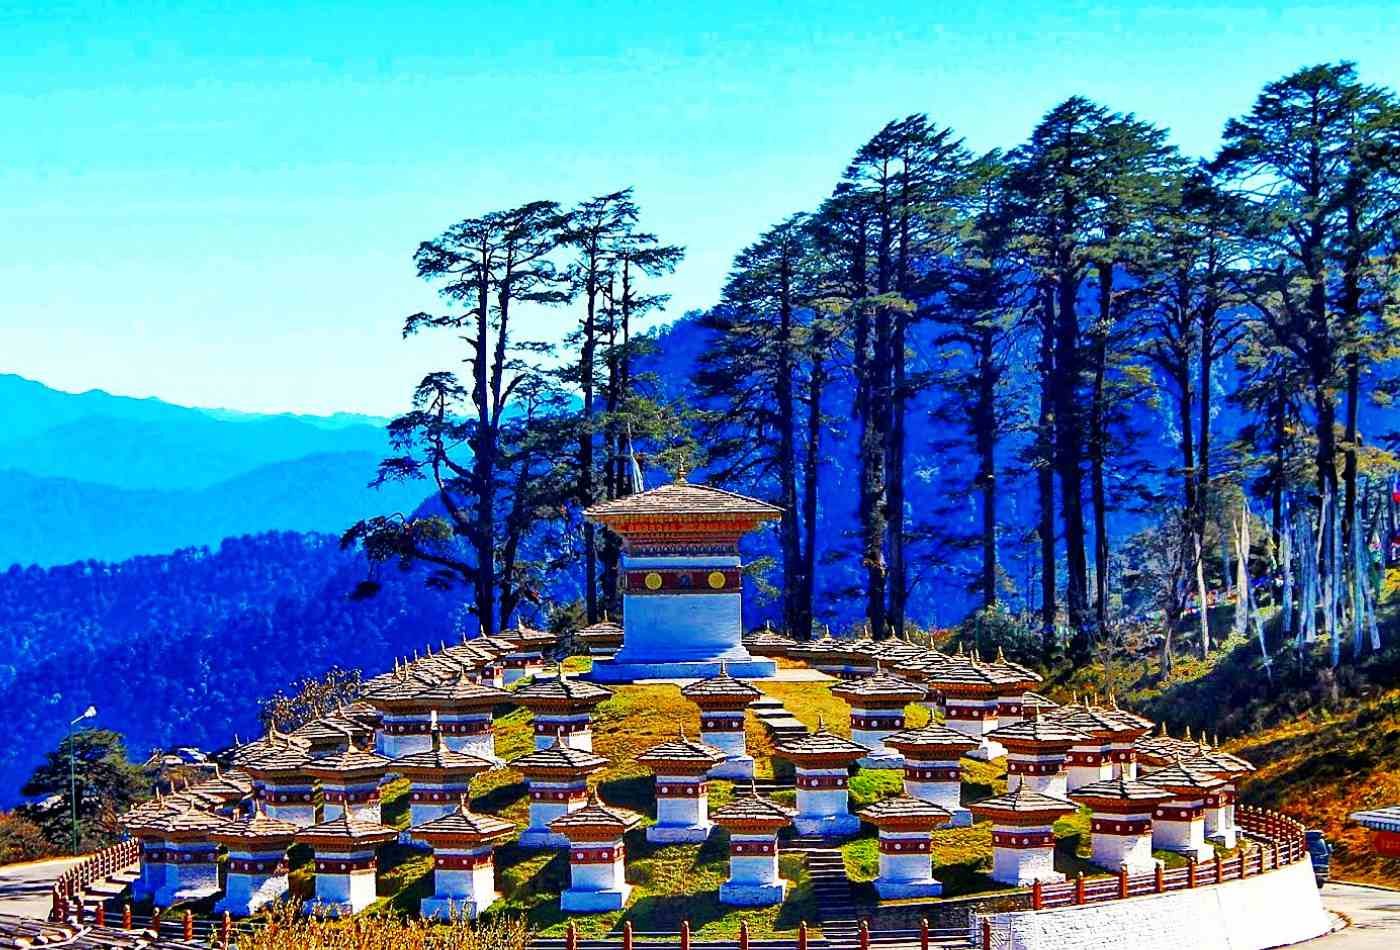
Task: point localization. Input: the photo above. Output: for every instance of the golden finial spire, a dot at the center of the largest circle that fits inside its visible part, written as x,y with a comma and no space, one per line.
680,474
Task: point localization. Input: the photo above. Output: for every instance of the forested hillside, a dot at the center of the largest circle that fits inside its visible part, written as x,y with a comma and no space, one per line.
178,648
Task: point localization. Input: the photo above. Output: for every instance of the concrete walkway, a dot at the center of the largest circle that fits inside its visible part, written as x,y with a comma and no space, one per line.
26,889
1371,913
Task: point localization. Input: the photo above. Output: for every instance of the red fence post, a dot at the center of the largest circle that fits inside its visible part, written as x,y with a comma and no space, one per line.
627,935
743,937
126,916
189,925
864,934
986,934
802,935
1122,881
923,933
1037,894
100,916
571,937
1219,868
1079,888
1191,872
1159,879
685,935
225,930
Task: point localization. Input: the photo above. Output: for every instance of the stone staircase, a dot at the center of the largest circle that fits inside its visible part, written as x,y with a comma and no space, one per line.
776,718
832,889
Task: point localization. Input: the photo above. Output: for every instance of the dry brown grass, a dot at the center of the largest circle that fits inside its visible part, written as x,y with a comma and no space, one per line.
284,927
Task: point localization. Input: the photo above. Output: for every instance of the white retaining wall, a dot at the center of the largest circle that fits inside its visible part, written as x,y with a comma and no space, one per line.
1273,909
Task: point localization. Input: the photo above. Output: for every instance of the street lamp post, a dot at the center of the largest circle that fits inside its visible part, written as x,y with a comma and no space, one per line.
88,713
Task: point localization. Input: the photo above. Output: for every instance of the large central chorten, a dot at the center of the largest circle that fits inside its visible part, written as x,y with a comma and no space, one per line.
682,588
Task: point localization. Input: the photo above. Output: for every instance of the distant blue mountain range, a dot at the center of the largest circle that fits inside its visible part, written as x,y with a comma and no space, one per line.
92,475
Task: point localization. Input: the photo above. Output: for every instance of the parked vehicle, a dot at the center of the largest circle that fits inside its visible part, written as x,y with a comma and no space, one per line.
1320,853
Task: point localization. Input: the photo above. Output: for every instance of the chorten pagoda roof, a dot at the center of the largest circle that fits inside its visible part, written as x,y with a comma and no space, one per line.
1030,700
1121,789
768,641
595,820
257,828
273,741
561,689
326,729
904,811
464,824
720,686
345,832
403,686
935,735
748,810
819,746
462,692
1038,731
496,644
277,758
439,760
921,665
1095,723
558,758
685,499
142,818
184,821
880,685
681,751
350,762
1183,775
528,638
604,630
232,785
1001,663
1022,803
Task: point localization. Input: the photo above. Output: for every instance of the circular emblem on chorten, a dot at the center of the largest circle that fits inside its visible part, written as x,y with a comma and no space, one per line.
653,581
716,580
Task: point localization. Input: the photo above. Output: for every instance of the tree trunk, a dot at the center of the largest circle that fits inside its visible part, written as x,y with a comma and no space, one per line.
816,382
986,440
787,453
484,468
894,491
1045,475
1098,447
585,479
1069,458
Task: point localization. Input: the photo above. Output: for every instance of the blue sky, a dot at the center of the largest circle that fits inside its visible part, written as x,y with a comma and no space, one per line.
217,203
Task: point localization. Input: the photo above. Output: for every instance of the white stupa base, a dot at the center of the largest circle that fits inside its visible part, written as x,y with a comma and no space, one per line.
448,908
895,890
619,670
1201,852
536,839
738,768
167,896
753,895
827,826
988,750
245,895
594,902
1225,837
679,834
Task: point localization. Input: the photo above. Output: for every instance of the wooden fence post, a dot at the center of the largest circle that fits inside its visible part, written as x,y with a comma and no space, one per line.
685,935
1037,894
571,937
923,933
225,930
1191,871
986,934
1219,868
627,935
864,934
189,925
1122,881
100,915
802,935
743,936
126,916
1079,888
1159,879
155,920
